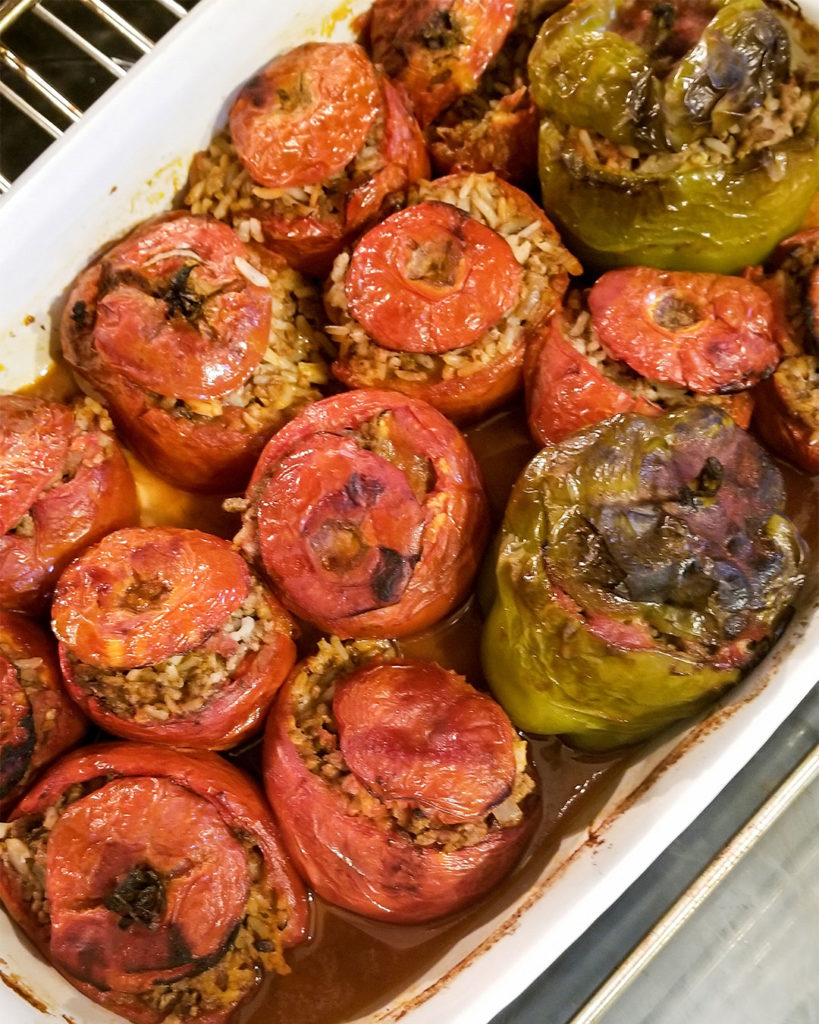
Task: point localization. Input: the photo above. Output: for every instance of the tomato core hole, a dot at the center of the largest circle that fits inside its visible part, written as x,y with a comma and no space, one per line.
675,313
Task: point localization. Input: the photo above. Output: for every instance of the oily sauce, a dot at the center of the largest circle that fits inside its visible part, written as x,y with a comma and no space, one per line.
351,966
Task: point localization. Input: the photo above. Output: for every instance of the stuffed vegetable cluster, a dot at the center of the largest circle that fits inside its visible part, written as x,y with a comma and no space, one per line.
588,219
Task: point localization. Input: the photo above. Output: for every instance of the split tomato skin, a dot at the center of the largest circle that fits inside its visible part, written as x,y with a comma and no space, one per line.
66,514
46,722
362,864
708,332
422,493
225,800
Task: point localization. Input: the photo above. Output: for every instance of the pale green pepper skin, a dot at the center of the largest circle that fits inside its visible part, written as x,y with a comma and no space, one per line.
617,609
718,217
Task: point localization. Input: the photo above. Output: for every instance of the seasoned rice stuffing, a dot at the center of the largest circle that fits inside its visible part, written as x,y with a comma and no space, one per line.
183,684
778,118
535,248
220,186
256,946
798,378
316,740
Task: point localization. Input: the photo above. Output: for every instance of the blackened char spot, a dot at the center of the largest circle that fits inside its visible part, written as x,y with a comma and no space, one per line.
139,898
363,491
14,760
390,579
79,313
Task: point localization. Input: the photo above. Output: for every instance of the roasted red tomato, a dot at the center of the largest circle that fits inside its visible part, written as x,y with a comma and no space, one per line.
37,720
572,382
368,514
707,332
787,404
495,126
306,115
63,483
431,278
401,791
436,301
322,145
173,326
167,637
438,49
161,887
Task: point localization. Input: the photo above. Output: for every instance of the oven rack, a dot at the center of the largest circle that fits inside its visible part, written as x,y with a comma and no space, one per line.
58,56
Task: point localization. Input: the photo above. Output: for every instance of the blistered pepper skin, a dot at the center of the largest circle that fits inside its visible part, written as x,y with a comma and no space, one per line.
586,653
591,69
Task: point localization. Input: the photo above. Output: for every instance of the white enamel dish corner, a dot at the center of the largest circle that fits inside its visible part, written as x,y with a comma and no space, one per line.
123,163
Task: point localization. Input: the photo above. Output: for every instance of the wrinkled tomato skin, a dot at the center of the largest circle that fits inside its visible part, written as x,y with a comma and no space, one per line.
728,345
565,391
208,455
395,32
100,497
352,862
236,798
58,724
144,594
455,517
281,143
237,714
311,243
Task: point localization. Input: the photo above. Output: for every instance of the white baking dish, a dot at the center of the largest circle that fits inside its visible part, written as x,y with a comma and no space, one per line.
123,163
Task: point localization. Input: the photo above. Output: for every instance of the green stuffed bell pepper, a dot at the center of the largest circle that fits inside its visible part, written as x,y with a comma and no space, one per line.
644,564
680,134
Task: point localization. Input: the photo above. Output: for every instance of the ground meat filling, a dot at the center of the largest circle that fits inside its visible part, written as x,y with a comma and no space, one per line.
185,683
582,336
315,737
779,117
536,249
292,369
220,186
256,947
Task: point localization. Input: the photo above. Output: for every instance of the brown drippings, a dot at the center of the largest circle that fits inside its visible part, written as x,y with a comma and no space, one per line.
23,992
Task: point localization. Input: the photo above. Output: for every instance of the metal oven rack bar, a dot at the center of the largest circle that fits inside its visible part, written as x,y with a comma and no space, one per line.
58,56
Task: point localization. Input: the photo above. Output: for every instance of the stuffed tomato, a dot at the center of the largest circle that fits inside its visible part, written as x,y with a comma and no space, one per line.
437,300
402,793
464,67
38,721
320,144
645,340
368,515
683,135
644,564
153,880
63,484
787,411
201,345
165,636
